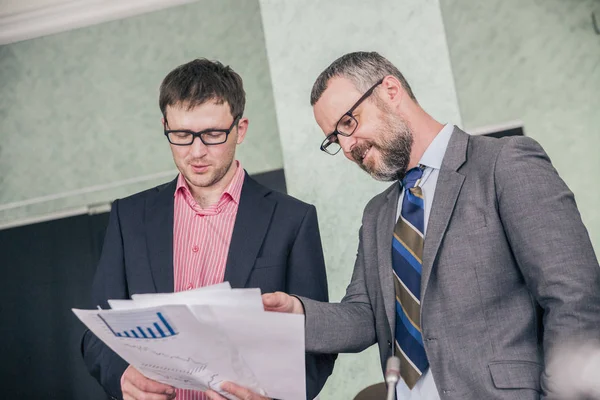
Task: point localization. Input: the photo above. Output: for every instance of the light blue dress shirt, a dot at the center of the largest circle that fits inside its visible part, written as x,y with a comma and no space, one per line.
425,388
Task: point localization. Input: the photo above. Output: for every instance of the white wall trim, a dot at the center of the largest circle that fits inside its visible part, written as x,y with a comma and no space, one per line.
72,15
496,128
91,210
86,190
50,217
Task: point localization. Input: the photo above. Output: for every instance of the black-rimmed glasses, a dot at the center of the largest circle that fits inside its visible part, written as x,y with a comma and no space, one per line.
185,137
345,126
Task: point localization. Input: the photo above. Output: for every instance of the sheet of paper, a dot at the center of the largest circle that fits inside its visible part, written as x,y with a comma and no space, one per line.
162,343
205,338
206,289
271,345
246,299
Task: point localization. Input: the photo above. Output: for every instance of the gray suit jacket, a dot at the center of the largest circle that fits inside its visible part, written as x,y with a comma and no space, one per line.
508,272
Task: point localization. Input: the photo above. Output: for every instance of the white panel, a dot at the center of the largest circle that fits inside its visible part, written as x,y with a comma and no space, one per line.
303,37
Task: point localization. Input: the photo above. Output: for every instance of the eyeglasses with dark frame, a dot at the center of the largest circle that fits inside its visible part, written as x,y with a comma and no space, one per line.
210,137
346,125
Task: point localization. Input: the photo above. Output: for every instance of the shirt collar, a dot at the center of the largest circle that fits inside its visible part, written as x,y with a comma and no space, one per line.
434,154
233,191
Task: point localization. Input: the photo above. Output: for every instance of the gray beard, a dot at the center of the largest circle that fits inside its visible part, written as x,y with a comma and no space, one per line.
394,144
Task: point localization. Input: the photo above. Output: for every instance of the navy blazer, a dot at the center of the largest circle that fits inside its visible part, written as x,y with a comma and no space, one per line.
275,246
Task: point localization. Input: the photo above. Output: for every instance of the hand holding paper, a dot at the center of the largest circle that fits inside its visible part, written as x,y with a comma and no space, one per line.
238,391
202,338
135,385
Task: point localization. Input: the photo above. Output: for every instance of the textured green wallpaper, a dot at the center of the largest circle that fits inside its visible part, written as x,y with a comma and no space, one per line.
537,61
80,108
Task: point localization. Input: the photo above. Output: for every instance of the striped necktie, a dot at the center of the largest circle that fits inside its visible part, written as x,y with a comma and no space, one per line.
407,256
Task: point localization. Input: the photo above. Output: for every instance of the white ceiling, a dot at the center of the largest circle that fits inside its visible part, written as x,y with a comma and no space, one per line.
28,19
18,6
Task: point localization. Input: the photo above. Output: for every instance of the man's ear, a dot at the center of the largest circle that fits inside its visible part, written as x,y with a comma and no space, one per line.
242,127
393,89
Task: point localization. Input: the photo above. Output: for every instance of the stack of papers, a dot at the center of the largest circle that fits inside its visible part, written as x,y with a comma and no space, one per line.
200,338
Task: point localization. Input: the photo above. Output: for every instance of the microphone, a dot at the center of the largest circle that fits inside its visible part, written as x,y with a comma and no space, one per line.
392,376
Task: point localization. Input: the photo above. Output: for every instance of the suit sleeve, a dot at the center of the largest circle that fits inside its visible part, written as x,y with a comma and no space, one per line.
346,327
550,244
306,276
109,283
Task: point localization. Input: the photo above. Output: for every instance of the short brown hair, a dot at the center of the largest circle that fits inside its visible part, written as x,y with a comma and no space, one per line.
199,81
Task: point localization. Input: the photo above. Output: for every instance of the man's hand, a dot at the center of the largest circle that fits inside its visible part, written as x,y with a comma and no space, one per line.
136,386
282,302
238,391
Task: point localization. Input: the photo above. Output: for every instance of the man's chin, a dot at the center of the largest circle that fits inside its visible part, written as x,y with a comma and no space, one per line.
202,181
375,173
383,176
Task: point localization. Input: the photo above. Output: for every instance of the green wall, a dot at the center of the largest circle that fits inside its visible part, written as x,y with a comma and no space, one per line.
537,61
80,109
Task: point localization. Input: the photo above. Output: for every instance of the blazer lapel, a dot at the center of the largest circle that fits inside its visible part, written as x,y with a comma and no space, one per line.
159,237
251,225
447,190
385,228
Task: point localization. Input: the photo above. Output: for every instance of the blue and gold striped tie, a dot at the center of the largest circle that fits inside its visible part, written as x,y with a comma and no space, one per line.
407,256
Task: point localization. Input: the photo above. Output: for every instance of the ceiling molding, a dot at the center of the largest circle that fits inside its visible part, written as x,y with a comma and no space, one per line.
74,14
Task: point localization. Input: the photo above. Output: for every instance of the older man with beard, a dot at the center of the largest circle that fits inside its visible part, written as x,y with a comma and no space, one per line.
472,266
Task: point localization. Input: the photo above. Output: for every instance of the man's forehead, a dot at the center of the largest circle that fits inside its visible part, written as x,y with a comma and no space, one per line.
209,104
206,115
337,99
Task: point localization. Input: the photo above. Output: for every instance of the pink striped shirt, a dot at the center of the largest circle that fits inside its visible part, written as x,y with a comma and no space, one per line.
201,239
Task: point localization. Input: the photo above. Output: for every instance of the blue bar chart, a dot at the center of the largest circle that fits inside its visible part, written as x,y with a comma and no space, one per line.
140,325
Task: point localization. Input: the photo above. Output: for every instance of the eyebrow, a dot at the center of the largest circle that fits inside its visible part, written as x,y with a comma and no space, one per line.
357,104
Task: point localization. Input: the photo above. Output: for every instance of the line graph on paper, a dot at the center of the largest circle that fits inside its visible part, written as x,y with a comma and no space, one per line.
143,349
141,325
190,379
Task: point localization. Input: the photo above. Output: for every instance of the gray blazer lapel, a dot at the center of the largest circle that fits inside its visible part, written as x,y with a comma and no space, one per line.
159,236
446,193
251,225
386,221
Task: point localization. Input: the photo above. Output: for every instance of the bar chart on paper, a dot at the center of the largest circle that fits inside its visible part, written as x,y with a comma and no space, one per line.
141,325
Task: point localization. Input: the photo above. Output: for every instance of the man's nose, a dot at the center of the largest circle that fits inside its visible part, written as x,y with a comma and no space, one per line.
347,143
198,148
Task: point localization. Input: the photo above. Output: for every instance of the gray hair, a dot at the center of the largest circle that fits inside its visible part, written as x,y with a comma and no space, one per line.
363,69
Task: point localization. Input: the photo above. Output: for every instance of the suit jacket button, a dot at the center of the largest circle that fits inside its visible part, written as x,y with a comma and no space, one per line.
389,344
